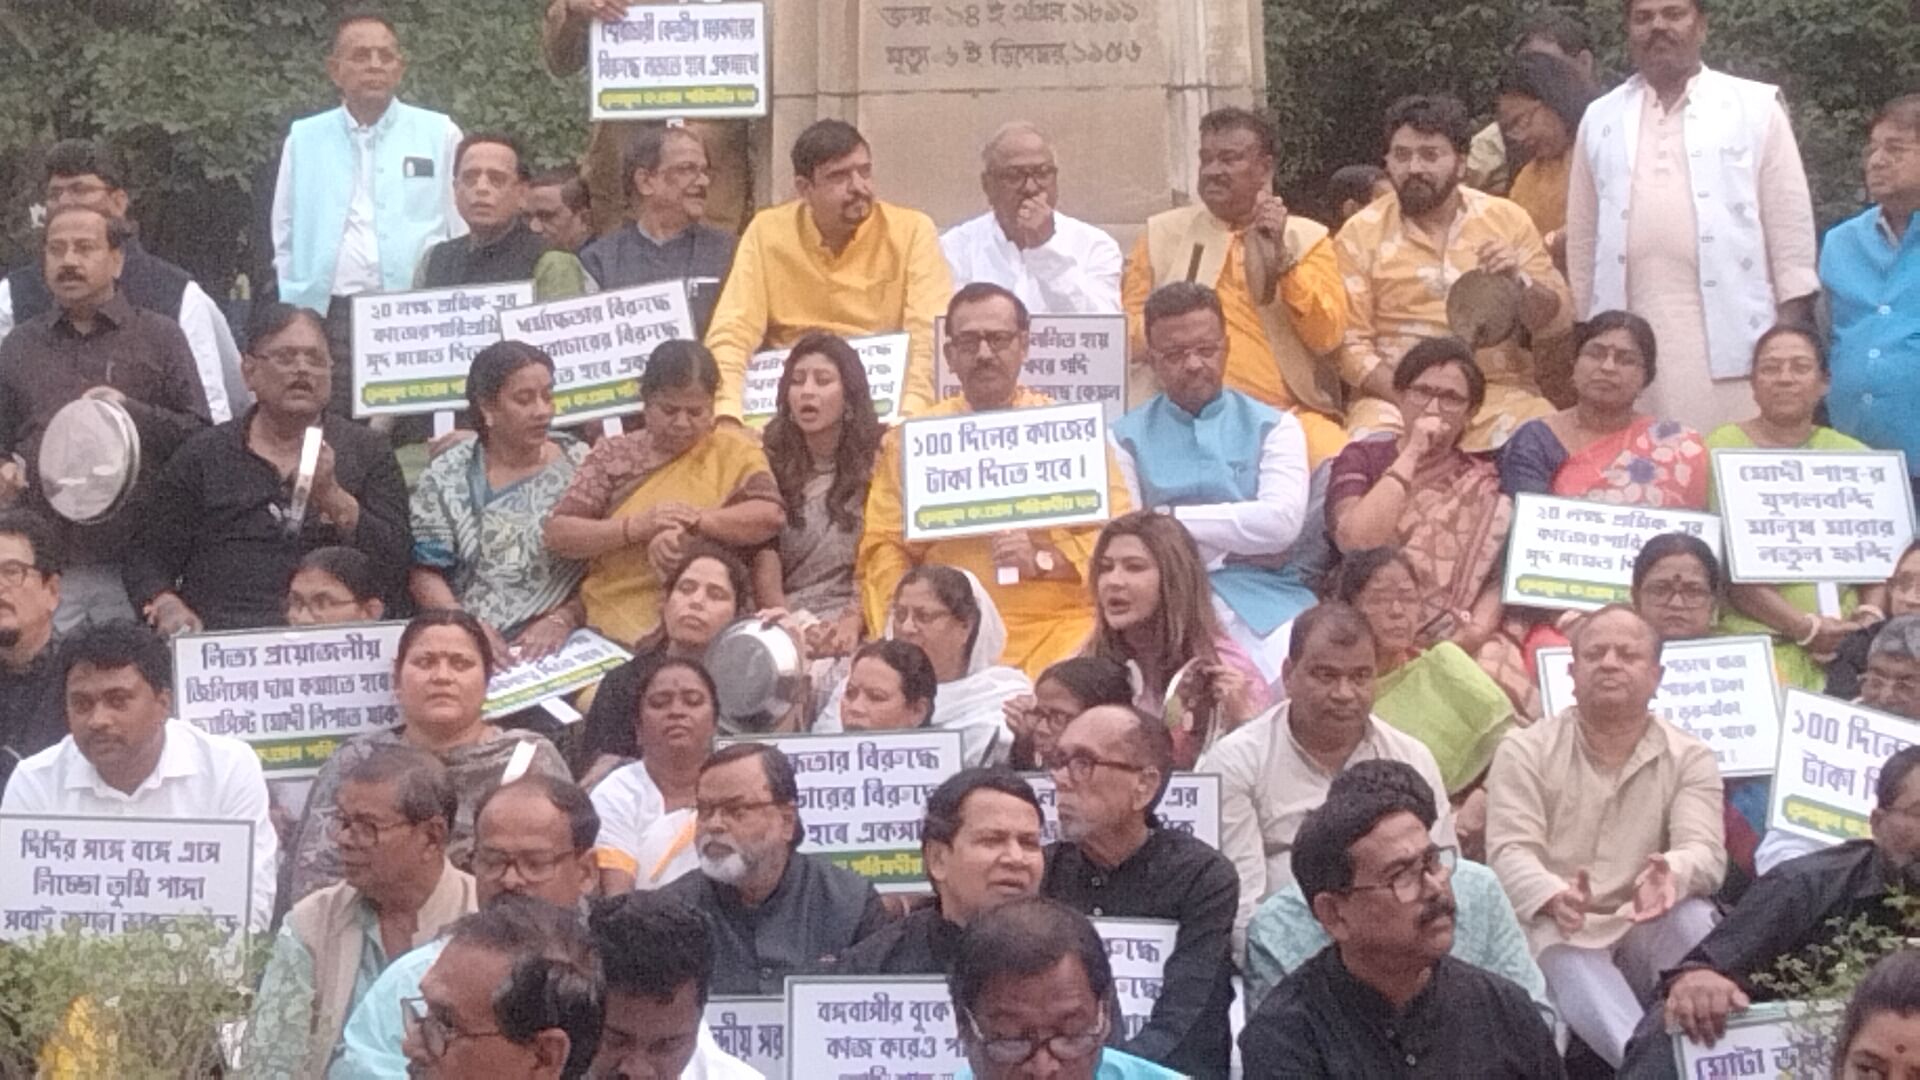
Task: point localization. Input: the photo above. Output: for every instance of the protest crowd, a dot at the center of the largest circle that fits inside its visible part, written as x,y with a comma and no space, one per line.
590,625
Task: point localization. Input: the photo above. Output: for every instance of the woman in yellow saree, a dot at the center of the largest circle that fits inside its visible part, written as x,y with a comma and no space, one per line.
639,498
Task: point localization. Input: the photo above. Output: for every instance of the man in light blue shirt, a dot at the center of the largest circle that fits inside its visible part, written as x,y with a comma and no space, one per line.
533,837
1028,983
1870,269
1285,934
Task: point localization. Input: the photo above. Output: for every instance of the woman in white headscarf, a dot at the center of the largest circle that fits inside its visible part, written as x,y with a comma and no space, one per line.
948,614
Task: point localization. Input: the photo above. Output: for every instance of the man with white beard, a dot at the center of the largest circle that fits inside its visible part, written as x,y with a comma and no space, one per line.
774,912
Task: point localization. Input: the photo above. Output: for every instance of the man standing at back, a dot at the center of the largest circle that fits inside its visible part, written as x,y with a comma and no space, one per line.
668,176
363,189
87,174
1688,206
1279,285
836,259
490,189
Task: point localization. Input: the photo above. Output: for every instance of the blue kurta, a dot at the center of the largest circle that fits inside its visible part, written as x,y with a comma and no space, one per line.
1874,287
1186,460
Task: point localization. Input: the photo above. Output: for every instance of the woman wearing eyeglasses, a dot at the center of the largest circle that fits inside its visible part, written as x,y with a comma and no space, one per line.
1442,508
948,614
1061,693
1790,378
439,681
334,585
1847,670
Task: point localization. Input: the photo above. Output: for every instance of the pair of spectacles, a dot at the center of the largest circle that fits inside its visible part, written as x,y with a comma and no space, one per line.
997,340
1416,398
531,865
1079,767
730,811
433,1032
1876,684
295,359
13,572
1051,719
687,170
314,605
1015,176
1601,353
903,616
1405,882
1016,1051
1663,593
361,830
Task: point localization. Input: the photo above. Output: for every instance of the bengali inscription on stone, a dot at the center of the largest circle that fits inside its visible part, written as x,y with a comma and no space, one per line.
1009,44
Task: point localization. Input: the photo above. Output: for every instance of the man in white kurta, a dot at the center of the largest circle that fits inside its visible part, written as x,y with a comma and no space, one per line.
1055,264
1688,205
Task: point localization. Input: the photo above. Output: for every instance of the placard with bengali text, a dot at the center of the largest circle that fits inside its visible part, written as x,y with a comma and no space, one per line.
1831,753
584,660
883,356
1069,358
412,350
1578,555
753,1029
664,62
1191,805
863,795
980,473
111,874
850,1027
1813,515
1777,1039
293,694
1137,950
1719,690
600,344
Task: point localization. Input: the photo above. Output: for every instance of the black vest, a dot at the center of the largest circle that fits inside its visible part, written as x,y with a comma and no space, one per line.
148,282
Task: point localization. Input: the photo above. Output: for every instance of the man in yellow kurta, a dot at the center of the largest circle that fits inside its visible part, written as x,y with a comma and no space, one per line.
1401,255
834,259
1047,611
1279,343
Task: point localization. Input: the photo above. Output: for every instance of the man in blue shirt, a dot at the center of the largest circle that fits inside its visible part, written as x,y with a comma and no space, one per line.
1870,268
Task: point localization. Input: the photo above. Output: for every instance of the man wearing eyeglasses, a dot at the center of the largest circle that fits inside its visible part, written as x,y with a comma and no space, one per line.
773,911
1230,468
1114,860
225,526
532,838
1055,264
668,239
1029,984
33,697
1277,767
1605,826
391,821
1788,911
1387,999
1036,577
1274,270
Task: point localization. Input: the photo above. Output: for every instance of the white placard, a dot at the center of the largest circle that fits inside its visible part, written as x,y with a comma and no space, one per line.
980,473
1069,358
663,62
600,344
1776,1039
753,1029
411,350
884,356
1719,690
1191,805
863,795
110,874
584,660
1137,950
1578,555
295,695
840,1026
1831,753
1813,515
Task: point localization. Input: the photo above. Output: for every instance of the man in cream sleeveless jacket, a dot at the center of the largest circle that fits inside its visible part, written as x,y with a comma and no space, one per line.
1688,206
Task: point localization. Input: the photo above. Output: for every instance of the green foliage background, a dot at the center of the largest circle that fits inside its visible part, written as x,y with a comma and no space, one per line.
198,93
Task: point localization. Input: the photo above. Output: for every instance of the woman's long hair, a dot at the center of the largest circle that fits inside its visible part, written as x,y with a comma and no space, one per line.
1184,626
860,432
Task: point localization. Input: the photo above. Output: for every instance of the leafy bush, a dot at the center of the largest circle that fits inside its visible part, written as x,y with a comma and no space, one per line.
150,1003
1333,66
1820,980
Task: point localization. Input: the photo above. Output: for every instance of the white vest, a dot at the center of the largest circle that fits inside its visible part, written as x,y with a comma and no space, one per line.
1726,128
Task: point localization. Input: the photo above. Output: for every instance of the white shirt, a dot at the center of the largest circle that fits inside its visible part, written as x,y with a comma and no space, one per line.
198,776
215,354
1268,524
635,822
712,1063
1268,786
1076,272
